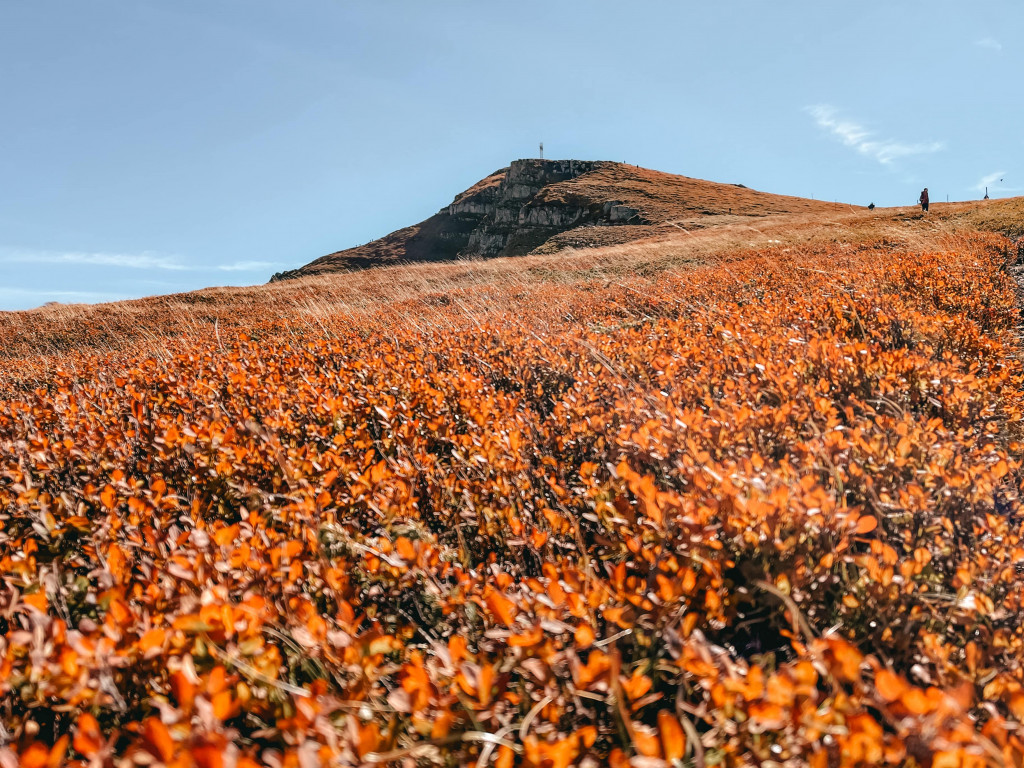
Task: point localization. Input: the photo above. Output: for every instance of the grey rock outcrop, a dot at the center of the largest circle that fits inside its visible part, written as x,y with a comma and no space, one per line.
509,220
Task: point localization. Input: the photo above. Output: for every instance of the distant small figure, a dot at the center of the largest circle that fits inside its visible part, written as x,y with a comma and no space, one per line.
923,200
871,207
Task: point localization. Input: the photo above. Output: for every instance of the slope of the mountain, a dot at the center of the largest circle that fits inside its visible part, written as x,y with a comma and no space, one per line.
550,204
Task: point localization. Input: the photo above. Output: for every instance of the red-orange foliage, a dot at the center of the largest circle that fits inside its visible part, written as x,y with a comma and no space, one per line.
769,511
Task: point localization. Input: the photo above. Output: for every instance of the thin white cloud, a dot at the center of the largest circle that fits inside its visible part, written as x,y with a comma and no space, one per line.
144,260
991,43
857,137
248,266
9,291
993,183
25,298
990,180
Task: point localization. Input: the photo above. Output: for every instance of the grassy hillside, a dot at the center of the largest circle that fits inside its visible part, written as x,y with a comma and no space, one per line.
739,496
513,204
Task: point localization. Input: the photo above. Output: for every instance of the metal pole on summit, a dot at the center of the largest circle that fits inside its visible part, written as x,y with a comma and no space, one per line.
542,150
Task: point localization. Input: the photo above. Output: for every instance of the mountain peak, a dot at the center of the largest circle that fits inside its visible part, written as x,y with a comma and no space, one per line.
544,205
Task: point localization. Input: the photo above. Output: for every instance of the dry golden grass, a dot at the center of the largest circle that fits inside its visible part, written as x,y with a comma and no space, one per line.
665,197
405,292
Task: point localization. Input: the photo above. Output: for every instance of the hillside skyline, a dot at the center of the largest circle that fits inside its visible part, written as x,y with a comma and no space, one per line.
155,149
541,206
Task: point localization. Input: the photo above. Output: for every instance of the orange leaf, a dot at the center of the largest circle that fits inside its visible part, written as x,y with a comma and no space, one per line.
501,607
916,702
405,549
59,752
767,716
712,600
528,638
645,741
36,756
442,725
226,535
972,656
890,685
506,758
847,658
87,735
587,736
486,682
457,648
208,756
217,681
560,754
152,641
184,689
117,562
616,615
37,600
1017,704
673,740
636,686
689,622
224,706
369,738
866,524
108,497
584,636
158,738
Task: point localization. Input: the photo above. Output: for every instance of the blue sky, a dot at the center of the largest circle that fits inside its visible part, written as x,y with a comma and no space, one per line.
154,146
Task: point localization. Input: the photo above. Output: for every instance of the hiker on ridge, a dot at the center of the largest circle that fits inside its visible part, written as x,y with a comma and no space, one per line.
923,200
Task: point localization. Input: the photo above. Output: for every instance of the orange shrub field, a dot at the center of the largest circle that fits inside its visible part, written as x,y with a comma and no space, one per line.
766,512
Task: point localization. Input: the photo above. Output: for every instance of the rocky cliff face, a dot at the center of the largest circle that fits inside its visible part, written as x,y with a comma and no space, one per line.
533,203
495,214
514,217
503,215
